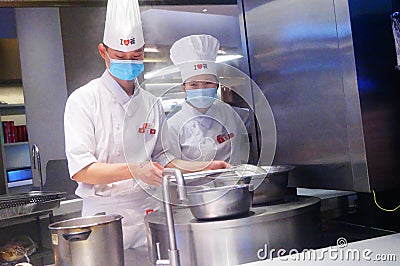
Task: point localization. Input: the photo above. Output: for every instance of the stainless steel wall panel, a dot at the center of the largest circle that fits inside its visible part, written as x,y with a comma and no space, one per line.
328,69
44,81
354,120
296,60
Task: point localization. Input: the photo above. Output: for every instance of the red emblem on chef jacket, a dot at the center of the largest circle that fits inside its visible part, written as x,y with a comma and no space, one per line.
147,127
223,138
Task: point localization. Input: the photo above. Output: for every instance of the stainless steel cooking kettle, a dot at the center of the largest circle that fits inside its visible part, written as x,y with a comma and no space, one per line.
208,202
220,202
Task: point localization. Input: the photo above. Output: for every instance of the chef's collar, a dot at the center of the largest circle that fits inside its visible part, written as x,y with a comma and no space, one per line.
115,89
206,119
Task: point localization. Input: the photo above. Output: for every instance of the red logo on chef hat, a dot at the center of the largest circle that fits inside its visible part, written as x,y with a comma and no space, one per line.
200,66
127,42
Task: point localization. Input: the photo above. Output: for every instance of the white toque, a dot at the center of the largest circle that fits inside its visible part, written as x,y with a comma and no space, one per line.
123,29
195,55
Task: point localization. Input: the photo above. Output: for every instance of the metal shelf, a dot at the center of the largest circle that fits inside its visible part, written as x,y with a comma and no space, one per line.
11,150
12,109
22,206
17,168
15,144
25,218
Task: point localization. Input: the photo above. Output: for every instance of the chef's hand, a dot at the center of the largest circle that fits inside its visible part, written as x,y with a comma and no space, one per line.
148,172
217,165
191,166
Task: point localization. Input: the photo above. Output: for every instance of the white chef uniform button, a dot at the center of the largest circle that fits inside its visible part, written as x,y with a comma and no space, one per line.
114,100
129,114
118,153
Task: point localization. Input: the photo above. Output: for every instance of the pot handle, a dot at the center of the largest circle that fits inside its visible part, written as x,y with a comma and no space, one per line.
77,236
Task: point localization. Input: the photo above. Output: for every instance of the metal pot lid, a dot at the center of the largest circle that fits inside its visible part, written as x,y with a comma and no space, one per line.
87,221
273,169
239,171
249,168
243,171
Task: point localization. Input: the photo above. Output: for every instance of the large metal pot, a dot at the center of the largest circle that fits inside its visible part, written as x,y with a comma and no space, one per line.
93,240
221,202
274,186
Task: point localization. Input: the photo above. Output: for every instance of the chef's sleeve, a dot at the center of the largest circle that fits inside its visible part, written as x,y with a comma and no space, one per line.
79,133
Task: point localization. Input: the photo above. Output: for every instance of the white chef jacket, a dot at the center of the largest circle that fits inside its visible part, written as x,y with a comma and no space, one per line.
104,124
219,134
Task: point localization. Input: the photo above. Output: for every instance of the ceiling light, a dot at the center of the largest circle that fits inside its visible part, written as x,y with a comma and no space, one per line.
154,60
205,10
151,50
224,58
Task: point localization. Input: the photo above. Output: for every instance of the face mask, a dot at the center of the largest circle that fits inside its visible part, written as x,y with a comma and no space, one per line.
125,69
201,98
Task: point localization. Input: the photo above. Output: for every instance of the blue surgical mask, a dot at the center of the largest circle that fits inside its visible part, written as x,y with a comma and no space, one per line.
125,69
201,98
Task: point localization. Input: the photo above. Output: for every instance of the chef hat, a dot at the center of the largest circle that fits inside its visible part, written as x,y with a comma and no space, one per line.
123,30
195,55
